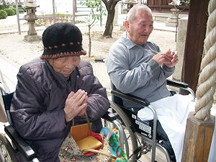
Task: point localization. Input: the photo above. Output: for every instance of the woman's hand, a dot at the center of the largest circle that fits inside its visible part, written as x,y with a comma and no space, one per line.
75,104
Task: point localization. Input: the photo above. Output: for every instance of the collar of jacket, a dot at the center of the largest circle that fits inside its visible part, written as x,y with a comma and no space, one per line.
130,44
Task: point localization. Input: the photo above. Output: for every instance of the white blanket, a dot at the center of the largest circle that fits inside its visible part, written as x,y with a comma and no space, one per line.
172,113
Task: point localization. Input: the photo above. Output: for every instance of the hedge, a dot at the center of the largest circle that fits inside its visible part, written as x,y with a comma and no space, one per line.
2,7
10,11
3,14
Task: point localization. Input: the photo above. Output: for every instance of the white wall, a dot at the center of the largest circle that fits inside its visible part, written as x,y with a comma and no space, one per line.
61,6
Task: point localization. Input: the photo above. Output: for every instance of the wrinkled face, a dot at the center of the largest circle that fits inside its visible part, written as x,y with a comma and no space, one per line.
139,29
65,65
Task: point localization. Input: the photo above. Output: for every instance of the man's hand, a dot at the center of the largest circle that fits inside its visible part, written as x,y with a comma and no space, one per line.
168,58
174,59
75,104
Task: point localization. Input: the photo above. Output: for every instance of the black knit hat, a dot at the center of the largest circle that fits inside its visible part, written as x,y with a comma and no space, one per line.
62,39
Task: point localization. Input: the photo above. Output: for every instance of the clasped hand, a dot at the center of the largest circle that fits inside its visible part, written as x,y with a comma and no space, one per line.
75,104
169,58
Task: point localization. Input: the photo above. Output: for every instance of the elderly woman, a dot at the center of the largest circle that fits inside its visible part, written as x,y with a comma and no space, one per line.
55,89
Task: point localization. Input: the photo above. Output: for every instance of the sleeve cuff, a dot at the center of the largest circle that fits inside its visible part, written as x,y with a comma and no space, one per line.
153,64
167,68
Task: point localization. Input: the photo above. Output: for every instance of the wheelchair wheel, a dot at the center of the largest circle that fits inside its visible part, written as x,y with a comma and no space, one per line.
130,140
7,153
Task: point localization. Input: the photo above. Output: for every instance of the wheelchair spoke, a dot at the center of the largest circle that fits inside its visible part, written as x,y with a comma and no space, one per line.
5,157
7,153
129,142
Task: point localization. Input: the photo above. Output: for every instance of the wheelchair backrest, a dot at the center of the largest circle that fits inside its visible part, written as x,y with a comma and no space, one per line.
7,98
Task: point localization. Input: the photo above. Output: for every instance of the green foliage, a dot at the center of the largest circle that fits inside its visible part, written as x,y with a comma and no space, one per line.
185,2
95,14
91,4
2,7
9,11
96,9
14,9
3,14
21,10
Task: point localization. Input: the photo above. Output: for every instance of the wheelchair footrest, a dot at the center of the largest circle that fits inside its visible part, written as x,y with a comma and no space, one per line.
19,143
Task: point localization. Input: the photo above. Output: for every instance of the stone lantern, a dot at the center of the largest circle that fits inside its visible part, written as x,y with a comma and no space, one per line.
31,17
129,4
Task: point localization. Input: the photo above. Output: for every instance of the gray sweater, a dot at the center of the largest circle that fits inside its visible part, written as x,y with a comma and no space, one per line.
132,69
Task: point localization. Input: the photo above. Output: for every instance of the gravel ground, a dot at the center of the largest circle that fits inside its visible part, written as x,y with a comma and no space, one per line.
16,49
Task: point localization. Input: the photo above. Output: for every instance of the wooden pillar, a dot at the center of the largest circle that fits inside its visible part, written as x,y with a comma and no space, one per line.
160,5
196,31
197,142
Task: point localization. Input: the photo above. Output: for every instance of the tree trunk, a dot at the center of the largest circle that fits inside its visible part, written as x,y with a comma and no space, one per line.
4,3
110,6
89,33
109,24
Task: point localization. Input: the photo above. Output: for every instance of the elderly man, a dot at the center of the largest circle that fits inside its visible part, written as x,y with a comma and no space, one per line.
136,66
53,90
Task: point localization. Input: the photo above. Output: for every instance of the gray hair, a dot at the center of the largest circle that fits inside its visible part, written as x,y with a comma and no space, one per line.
132,12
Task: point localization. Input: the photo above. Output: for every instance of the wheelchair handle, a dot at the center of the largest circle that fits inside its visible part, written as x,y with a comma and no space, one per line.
100,60
181,85
177,84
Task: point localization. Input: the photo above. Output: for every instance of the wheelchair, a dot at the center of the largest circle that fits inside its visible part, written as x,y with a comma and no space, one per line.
141,137
10,141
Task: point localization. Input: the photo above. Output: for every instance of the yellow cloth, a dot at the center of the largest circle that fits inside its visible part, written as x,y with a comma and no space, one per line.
89,142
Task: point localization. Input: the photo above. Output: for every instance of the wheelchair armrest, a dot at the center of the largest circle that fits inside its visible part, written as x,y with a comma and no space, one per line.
177,84
19,143
138,100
